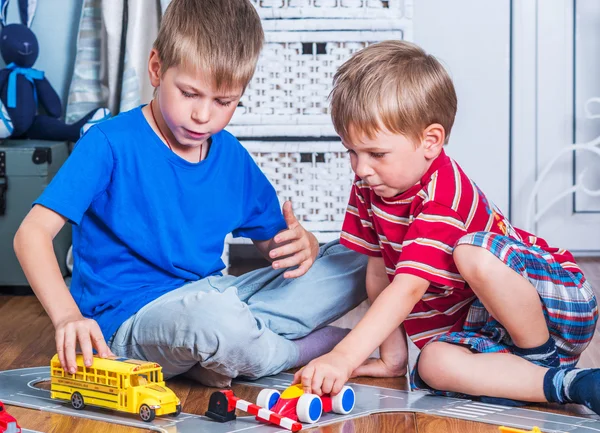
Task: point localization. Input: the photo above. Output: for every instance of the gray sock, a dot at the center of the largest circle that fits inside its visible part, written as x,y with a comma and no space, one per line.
545,355
318,343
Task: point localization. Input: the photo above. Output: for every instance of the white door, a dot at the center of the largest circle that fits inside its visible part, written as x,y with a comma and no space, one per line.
555,80
472,40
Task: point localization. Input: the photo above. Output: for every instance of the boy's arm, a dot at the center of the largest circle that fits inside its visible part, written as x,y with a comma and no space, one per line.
393,351
292,247
33,247
329,373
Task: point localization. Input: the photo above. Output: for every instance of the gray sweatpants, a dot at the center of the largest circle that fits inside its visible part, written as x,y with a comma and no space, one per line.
222,327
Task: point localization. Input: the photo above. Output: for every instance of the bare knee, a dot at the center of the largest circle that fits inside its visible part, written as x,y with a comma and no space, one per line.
435,365
474,263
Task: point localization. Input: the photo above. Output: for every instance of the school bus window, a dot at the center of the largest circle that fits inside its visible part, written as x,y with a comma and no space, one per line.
79,375
139,380
101,377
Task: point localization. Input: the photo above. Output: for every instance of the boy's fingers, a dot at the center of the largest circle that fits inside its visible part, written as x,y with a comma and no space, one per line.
290,261
85,343
288,215
317,382
327,385
285,250
307,378
100,343
70,355
337,387
60,348
303,269
287,235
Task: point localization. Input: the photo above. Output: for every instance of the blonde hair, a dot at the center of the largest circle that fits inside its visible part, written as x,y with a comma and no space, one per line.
393,85
222,38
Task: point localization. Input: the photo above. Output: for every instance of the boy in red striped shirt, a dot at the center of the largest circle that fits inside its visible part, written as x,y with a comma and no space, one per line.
496,312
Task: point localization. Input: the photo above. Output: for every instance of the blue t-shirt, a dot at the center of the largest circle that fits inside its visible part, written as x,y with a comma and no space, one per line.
146,221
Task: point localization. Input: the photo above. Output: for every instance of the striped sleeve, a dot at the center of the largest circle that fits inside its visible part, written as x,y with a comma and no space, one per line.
358,233
429,243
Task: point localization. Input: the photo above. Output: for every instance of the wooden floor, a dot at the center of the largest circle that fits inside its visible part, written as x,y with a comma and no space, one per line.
27,340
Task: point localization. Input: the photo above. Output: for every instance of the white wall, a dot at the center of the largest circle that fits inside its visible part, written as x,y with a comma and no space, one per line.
472,39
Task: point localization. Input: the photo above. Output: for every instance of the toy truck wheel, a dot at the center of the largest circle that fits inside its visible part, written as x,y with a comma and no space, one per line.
267,398
77,401
309,408
177,411
343,403
146,413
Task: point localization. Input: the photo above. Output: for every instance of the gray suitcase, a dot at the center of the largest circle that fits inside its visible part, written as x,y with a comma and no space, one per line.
26,168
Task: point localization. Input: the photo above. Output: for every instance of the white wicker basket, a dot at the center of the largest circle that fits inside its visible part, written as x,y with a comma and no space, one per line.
387,9
315,175
290,88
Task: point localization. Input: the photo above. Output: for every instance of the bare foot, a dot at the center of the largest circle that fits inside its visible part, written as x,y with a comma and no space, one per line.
376,367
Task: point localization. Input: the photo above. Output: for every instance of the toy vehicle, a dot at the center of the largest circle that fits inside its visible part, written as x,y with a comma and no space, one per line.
8,423
284,410
222,406
293,403
126,385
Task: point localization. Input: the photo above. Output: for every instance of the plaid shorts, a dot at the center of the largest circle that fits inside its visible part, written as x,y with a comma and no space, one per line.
568,303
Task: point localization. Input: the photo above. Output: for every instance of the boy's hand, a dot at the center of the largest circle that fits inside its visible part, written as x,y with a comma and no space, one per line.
77,329
298,247
325,375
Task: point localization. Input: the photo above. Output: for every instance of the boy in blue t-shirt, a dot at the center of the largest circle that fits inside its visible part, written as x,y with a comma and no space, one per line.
152,193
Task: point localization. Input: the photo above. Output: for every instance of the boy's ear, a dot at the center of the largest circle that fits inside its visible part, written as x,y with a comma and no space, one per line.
154,66
433,139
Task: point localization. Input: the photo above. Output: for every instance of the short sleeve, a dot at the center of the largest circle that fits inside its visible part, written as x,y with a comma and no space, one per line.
262,217
358,233
84,176
429,243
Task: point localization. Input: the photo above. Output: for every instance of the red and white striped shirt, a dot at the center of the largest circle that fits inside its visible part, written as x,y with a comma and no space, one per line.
415,233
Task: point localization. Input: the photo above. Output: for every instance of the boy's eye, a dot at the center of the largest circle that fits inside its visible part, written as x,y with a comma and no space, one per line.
223,103
377,155
350,151
187,94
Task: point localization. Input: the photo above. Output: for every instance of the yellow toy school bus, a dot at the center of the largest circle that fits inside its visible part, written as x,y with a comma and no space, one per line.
122,384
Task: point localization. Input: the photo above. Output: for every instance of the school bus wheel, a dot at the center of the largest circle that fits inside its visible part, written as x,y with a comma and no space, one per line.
77,401
147,413
177,411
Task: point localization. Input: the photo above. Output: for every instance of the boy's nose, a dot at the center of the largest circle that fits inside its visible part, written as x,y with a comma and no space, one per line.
201,112
362,169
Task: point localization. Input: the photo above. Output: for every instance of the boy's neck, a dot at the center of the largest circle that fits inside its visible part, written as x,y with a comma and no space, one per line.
154,118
